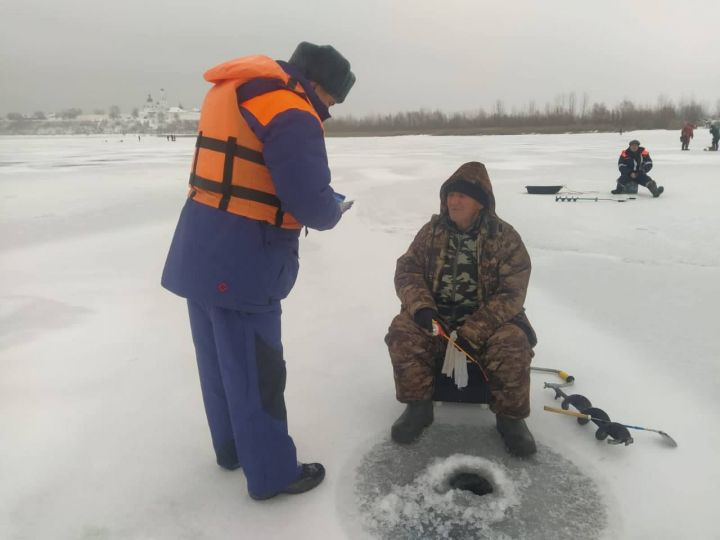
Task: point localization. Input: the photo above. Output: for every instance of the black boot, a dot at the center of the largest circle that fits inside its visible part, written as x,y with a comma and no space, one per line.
654,188
311,474
619,189
516,435
417,416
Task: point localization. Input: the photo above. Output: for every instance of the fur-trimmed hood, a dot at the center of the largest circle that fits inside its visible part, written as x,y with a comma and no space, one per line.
473,172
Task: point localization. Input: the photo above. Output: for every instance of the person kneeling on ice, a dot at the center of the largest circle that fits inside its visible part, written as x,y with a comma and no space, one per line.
634,164
468,270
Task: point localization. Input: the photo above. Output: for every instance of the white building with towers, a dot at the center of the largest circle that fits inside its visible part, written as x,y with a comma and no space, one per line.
156,113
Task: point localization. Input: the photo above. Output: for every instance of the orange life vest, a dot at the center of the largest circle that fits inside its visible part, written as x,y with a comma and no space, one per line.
228,170
625,155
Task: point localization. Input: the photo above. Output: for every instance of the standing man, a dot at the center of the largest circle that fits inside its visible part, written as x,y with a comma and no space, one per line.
715,132
469,270
634,164
260,173
686,134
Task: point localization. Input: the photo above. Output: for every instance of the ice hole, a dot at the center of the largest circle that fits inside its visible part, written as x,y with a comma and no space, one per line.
469,474
407,493
472,482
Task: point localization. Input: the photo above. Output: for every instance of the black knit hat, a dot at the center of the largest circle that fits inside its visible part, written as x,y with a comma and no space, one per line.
471,189
327,67
634,141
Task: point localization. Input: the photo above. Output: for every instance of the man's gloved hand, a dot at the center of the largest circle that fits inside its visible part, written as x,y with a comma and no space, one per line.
424,318
345,206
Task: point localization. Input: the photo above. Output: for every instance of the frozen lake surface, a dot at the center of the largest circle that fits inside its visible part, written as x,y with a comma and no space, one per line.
102,430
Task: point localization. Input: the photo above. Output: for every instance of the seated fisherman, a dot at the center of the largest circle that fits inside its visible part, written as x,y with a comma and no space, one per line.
469,270
634,164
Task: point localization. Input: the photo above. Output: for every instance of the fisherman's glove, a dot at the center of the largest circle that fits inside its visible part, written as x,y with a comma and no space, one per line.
424,318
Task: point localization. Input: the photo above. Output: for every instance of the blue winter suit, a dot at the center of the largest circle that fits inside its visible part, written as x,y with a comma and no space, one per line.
234,271
638,162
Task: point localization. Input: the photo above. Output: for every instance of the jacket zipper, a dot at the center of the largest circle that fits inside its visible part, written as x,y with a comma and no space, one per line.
455,263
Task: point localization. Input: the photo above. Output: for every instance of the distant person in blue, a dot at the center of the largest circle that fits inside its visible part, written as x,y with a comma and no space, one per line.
715,132
635,163
259,175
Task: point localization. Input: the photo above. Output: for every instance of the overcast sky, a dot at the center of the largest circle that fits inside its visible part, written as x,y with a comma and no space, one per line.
453,55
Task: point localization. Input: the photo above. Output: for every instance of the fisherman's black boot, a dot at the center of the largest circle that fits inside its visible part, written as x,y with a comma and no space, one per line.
516,435
654,188
417,416
311,474
618,190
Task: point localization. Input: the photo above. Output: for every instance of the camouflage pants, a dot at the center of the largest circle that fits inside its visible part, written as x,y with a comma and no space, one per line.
506,360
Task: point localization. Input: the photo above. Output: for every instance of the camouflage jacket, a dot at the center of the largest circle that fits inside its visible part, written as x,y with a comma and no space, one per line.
503,267
457,297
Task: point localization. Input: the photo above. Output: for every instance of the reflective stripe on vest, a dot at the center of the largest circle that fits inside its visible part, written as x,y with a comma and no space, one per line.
229,172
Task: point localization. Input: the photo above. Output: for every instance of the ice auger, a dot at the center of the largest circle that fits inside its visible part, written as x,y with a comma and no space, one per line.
618,433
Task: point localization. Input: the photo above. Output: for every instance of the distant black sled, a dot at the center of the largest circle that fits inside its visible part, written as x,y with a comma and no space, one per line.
543,190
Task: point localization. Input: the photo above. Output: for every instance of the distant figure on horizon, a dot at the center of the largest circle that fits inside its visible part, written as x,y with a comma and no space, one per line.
634,164
715,132
686,134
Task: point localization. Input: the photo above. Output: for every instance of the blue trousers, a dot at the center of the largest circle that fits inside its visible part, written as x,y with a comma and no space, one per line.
242,376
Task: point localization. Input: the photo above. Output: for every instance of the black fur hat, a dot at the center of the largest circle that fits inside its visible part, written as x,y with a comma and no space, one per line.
325,66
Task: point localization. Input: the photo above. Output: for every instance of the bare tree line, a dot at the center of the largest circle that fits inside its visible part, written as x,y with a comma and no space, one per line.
566,113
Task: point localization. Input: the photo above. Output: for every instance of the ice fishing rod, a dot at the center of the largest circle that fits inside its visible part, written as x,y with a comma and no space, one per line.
439,330
667,438
564,375
574,198
618,433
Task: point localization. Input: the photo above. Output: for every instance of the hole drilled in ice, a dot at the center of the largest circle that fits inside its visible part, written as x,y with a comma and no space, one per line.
472,482
472,474
407,492
431,499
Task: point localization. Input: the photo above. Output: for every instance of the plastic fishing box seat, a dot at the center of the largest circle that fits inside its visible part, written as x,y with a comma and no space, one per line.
477,390
629,188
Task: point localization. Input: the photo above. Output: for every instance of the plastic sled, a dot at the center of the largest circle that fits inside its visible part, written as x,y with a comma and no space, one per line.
543,190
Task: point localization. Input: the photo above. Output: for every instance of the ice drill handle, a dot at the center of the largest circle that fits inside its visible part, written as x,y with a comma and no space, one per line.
567,413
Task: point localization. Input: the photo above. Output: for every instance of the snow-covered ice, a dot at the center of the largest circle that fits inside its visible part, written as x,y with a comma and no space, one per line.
102,430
